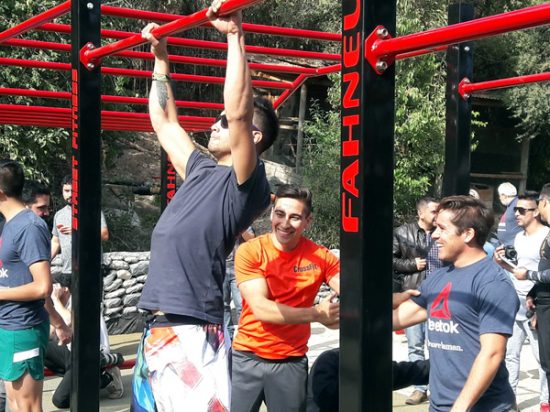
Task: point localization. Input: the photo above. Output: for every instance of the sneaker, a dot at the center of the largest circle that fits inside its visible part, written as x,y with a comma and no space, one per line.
115,390
108,360
416,398
544,407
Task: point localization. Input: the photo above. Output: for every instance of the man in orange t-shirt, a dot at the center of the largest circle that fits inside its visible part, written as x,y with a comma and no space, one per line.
279,275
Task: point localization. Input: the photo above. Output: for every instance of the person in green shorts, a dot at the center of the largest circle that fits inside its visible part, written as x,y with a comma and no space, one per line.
26,309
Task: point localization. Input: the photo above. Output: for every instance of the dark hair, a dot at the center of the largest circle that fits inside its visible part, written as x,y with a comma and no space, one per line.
12,178
32,189
545,191
529,195
423,202
469,213
67,180
64,279
296,192
266,120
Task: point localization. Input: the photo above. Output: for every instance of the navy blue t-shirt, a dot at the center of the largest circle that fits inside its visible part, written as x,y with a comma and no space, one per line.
194,235
462,304
25,240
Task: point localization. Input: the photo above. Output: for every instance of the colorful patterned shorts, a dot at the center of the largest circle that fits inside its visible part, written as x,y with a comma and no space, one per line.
182,368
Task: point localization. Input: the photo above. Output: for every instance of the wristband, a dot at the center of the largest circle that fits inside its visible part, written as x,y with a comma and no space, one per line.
161,77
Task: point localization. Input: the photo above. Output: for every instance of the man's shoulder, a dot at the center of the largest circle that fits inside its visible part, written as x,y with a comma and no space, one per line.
407,227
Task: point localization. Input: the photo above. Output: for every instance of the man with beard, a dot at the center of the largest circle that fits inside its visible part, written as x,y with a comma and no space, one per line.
415,256
37,198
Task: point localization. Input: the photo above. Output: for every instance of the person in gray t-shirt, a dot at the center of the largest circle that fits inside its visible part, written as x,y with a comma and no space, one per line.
62,227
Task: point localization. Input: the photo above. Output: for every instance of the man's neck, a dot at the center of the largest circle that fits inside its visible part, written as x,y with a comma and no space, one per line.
469,256
10,207
424,226
532,228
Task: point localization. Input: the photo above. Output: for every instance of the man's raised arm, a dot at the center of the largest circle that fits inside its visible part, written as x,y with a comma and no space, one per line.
162,106
237,93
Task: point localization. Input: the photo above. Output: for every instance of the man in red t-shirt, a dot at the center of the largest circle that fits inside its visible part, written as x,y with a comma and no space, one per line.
279,275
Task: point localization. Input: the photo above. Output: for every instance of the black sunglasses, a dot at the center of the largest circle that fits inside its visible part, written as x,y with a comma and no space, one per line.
222,118
523,210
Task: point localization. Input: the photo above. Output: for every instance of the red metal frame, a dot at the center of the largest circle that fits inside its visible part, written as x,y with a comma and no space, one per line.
466,88
381,49
247,27
205,44
36,21
92,56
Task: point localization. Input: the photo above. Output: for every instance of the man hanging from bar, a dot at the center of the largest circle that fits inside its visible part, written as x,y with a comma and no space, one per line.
183,357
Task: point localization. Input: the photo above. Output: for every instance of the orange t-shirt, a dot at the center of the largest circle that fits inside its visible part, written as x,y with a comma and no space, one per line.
293,278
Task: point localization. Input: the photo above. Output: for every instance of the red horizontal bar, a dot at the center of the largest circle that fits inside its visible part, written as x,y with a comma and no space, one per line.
173,58
247,27
185,23
287,93
113,120
46,94
205,44
385,49
420,52
465,88
139,73
35,21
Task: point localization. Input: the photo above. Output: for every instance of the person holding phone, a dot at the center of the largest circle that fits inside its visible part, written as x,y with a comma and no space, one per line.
527,244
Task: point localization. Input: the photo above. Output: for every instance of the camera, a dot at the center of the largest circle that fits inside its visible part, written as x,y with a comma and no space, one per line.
529,313
511,254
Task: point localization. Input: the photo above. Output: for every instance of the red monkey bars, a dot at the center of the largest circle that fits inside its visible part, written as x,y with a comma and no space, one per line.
90,56
466,88
381,49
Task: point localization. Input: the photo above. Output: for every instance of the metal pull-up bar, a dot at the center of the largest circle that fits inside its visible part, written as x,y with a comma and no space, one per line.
466,88
90,56
36,21
381,48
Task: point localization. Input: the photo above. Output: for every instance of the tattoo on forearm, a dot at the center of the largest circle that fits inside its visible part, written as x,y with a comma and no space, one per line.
162,93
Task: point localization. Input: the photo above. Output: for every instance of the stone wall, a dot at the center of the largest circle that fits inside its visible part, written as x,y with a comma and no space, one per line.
124,274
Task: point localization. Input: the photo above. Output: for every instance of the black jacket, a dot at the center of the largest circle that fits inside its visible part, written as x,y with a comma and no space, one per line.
409,242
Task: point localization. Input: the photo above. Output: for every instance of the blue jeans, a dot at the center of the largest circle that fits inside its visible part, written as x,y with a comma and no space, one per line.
416,337
231,291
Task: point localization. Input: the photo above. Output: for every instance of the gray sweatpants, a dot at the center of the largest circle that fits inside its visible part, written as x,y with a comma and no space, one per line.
281,384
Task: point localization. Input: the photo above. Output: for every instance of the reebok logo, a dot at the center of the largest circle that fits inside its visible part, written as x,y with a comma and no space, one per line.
440,306
445,327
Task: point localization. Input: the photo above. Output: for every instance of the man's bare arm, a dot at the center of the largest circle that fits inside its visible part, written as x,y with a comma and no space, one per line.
39,288
162,107
237,93
484,369
56,247
255,292
407,314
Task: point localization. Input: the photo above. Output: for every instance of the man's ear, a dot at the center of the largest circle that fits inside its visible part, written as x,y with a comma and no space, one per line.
469,235
257,136
309,220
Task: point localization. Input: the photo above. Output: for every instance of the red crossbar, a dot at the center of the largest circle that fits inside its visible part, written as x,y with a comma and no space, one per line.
381,49
465,88
90,57
205,44
110,120
273,68
247,27
46,94
193,78
35,21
